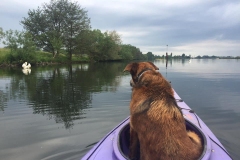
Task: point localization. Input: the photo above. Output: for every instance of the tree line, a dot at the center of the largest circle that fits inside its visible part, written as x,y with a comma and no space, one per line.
62,26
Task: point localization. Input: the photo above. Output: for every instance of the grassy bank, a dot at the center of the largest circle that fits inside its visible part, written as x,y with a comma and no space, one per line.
39,58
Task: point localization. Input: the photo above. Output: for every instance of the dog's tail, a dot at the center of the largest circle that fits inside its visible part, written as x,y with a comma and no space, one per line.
194,137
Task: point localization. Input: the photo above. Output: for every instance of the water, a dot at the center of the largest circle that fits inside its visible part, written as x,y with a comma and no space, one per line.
57,112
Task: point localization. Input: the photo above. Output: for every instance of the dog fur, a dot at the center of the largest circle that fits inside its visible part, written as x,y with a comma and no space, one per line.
156,122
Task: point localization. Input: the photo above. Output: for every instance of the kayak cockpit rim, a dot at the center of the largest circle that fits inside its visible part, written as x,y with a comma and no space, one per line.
123,141
120,140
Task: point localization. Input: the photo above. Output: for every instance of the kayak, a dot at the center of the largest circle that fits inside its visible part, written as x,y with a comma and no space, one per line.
115,145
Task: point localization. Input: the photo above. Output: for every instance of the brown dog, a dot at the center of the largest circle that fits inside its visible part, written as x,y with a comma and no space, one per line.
156,122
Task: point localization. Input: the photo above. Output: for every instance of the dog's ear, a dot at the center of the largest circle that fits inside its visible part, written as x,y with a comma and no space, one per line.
155,67
128,67
132,68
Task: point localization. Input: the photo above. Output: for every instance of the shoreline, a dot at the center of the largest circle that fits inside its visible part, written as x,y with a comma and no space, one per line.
13,65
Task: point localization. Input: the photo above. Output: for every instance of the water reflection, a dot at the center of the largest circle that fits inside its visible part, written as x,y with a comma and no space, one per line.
26,71
170,62
3,100
62,93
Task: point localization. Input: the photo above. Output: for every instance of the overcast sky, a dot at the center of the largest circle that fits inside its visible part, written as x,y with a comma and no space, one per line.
193,27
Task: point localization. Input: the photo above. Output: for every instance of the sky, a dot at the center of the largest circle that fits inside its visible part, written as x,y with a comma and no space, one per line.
192,27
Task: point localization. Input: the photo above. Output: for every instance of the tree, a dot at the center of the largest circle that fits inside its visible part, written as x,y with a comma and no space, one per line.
137,54
115,37
1,33
95,49
116,47
126,52
21,46
99,46
85,42
111,45
56,25
129,52
150,56
183,55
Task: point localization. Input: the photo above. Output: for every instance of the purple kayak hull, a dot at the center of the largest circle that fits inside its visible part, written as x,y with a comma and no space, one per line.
114,146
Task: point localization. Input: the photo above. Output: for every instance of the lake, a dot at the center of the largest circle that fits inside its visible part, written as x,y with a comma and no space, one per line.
57,112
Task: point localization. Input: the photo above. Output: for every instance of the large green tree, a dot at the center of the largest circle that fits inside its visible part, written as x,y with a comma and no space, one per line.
57,25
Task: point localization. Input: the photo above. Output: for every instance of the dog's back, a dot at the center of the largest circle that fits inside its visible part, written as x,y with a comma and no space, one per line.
159,123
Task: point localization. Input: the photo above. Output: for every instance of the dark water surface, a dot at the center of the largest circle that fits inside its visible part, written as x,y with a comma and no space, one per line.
57,112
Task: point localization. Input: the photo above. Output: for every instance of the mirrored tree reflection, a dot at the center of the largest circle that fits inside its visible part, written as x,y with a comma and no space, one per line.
3,100
62,93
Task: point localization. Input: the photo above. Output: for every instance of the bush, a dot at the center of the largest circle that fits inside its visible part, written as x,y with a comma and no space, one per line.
21,47
19,57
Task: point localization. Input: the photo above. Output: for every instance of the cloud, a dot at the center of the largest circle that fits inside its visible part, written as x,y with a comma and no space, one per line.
209,47
150,25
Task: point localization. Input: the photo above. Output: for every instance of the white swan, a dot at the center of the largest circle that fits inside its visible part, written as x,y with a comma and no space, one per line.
26,65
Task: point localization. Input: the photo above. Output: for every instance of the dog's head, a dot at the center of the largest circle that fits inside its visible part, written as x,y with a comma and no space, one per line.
137,69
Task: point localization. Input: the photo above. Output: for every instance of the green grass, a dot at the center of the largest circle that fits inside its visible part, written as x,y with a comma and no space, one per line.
41,57
48,57
3,53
